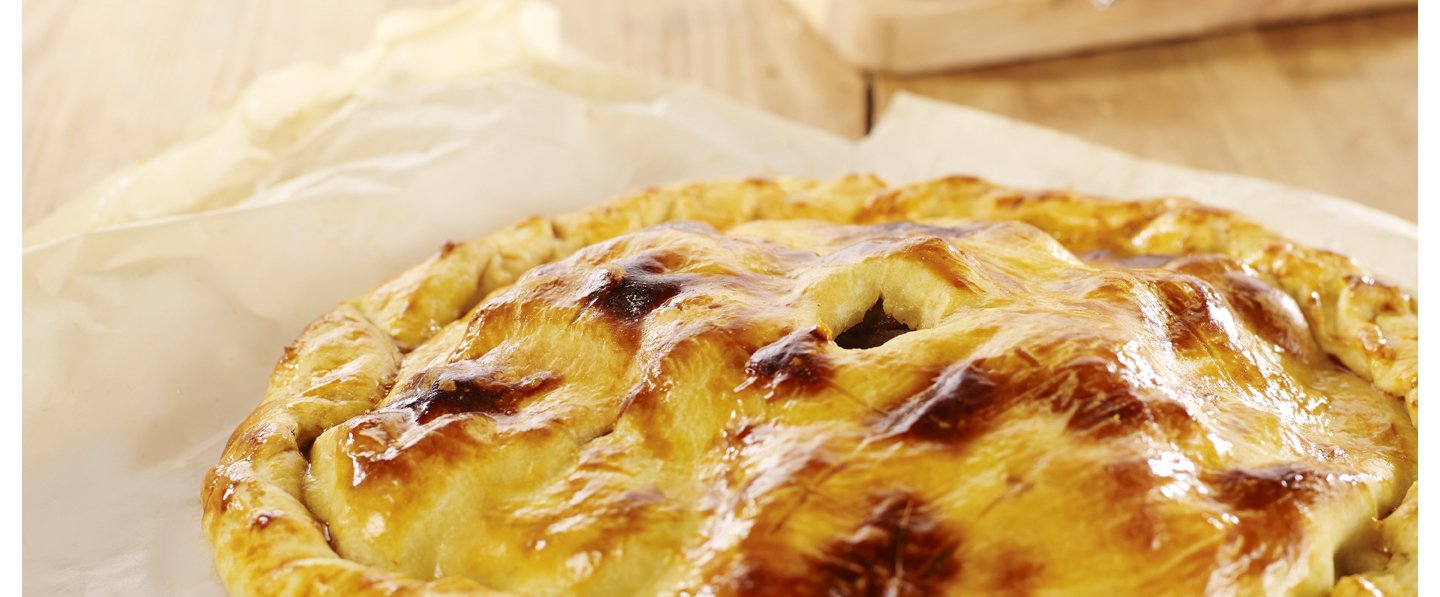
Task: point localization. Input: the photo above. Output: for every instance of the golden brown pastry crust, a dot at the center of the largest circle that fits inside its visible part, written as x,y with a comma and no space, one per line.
710,407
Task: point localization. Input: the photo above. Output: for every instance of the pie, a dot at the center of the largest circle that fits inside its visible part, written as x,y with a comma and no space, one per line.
792,387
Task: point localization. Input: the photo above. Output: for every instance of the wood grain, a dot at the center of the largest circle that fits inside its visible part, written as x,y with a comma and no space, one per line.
1329,106
915,36
758,51
108,83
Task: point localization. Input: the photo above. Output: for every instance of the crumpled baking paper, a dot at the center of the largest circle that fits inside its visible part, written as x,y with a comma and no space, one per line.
156,304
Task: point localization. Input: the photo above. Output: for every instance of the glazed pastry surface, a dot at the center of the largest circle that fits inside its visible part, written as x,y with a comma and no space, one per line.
792,387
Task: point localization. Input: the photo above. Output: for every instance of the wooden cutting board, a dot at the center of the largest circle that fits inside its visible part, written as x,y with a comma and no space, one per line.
910,36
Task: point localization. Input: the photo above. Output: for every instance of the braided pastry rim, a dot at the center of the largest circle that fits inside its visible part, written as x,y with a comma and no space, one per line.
344,362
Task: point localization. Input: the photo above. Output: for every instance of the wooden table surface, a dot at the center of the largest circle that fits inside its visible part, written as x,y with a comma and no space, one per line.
1329,106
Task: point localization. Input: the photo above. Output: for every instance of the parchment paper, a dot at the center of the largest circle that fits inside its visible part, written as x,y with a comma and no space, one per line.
156,304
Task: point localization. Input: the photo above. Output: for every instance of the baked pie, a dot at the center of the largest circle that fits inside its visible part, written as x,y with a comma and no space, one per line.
792,387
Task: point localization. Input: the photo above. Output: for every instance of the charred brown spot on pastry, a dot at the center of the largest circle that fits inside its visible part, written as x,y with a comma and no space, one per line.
796,361
1100,398
1173,418
1265,489
1129,478
900,548
1014,574
471,387
1109,414
959,404
1265,310
1126,485
1269,504
1268,313
875,328
639,287
384,459
1095,395
1190,305
1104,401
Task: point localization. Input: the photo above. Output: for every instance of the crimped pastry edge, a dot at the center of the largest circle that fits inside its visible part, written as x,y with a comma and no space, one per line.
1367,325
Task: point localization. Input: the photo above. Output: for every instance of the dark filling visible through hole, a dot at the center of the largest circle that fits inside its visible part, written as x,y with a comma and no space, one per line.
876,328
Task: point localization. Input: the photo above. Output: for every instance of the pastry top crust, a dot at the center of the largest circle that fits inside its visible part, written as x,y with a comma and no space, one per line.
795,387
